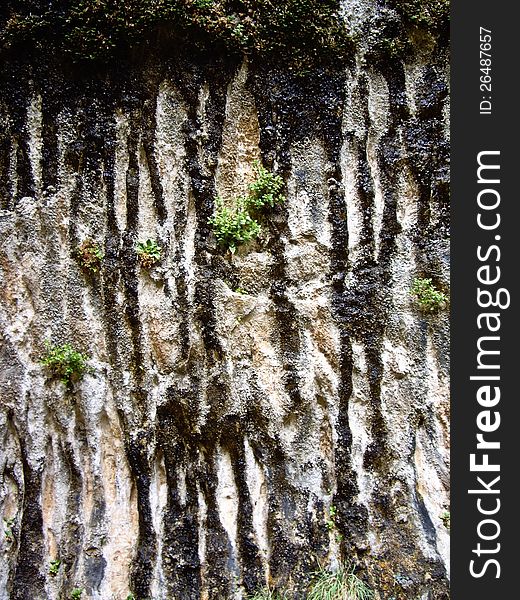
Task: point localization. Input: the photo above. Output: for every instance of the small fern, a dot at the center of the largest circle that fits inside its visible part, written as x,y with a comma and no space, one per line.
266,190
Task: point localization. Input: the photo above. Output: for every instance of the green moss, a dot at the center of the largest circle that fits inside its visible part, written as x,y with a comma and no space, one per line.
432,15
87,29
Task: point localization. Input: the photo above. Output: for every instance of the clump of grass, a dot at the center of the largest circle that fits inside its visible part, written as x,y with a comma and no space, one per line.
427,295
446,519
65,362
342,584
76,593
89,255
149,253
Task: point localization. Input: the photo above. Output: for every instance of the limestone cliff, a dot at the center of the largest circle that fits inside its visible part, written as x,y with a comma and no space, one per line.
247,417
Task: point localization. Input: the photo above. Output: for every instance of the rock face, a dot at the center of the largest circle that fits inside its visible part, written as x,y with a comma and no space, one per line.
248,417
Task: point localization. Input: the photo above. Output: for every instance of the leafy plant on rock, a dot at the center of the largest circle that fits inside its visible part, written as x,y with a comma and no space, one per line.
427,295
266,190
65,362
237,224
54,567
8,529
333,511
76,593
233,226
89,255
149,253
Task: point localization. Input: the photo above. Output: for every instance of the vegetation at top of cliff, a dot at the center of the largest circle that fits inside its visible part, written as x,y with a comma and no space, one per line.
97,29
399,28
432,15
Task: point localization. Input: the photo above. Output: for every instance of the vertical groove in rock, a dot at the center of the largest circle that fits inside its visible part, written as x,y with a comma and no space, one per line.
27,578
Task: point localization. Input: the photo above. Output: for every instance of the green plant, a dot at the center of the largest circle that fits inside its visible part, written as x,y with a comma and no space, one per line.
89,255
342,584
310,30
428,297
266,190
76,593
54,567
445,518
428,14
240,290
8,529
237,224
233,226
65,362
149,253
130,597
333,511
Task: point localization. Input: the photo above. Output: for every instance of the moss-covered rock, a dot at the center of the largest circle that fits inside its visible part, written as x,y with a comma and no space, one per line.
97,29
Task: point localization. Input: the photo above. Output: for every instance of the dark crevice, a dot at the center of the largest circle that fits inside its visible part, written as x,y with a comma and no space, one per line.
28,581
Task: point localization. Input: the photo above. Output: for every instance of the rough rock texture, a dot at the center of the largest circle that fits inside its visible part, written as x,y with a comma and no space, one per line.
201,457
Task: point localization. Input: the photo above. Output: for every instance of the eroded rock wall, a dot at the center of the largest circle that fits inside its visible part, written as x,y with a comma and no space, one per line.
234,399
